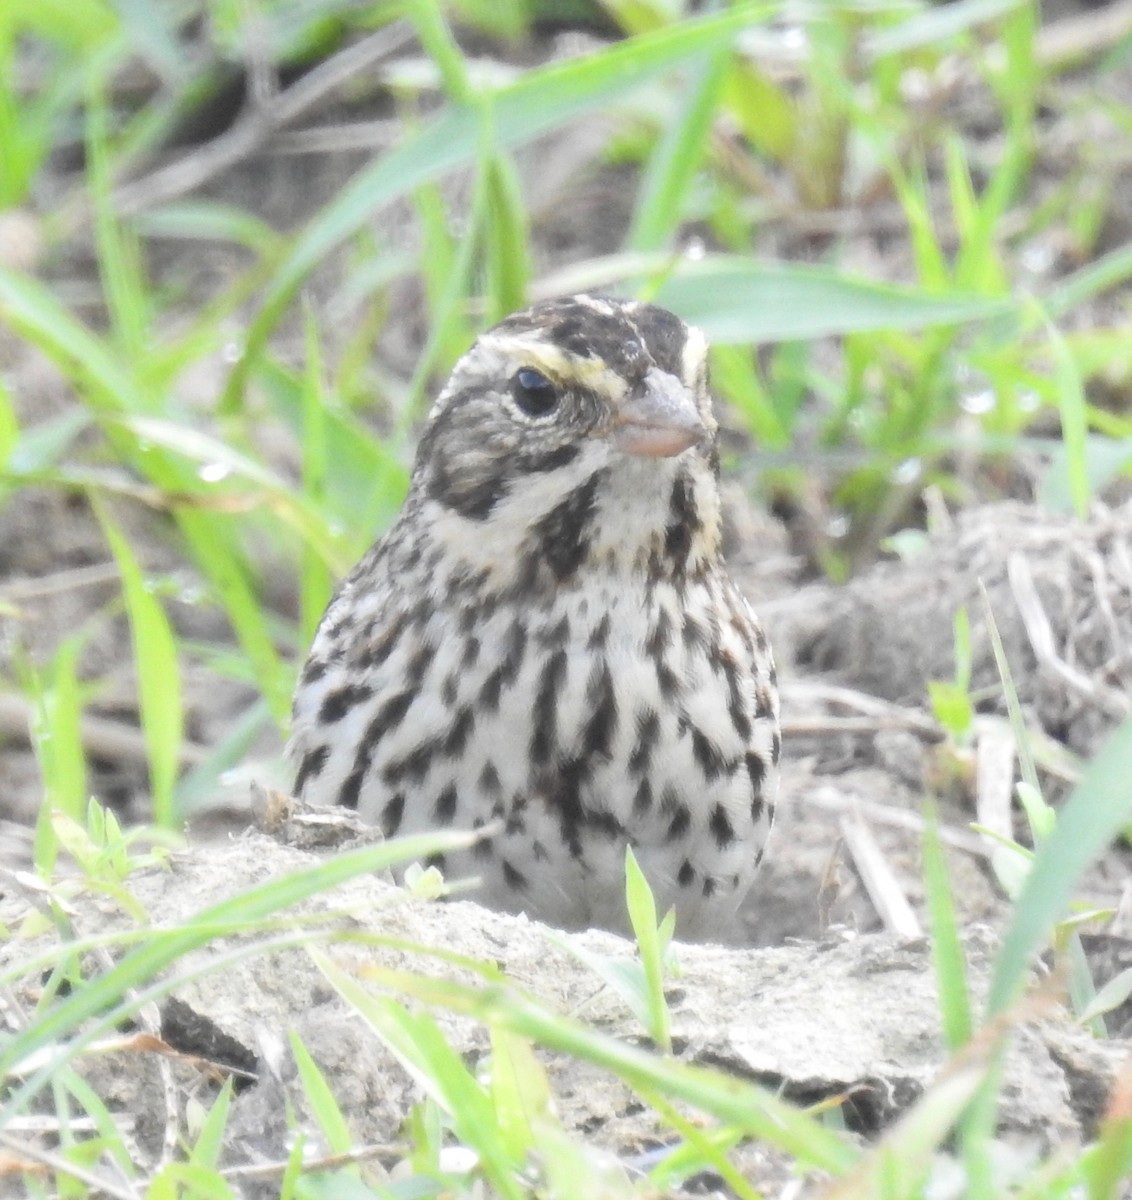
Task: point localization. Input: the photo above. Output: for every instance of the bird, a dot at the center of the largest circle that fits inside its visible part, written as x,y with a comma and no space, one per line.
547,643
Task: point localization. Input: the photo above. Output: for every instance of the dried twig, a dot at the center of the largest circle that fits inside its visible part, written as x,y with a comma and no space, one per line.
101,737
258,123
99,1184
879,878
94,575
830,799
881,714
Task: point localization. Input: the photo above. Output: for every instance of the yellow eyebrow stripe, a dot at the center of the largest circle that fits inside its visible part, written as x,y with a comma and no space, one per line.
533,350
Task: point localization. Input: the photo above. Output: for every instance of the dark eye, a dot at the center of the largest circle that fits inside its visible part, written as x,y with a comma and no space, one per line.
534,393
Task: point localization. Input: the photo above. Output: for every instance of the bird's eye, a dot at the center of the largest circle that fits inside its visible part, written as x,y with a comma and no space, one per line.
534,393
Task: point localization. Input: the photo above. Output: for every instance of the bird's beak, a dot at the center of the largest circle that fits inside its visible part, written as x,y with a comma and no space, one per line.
660,420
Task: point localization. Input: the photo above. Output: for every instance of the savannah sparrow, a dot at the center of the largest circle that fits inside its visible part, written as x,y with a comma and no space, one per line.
548,636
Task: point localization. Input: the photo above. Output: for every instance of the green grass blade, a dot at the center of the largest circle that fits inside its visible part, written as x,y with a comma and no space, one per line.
209,1142
1107,1165
1070,394
9,427
642,916
1010,694
196,786
323,1107
369,480
119,257
1098,808
315,582
506,238
97,371
100,999
735,1101
673,164
209,221
57,740
420,1046
1110,271
541,100
439,262
735,377
947,946
734,299
158,674
520,1091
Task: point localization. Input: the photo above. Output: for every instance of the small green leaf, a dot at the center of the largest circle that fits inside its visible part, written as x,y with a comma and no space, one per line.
642,916
952,707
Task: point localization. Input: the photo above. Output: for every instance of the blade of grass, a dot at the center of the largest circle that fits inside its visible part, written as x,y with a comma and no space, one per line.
673,164
1074,422
1098,808
315,583
947,946
735,376
1109,271
1010,693
198,784
9,427
158,673
542,99
651,943
733,299
738,1102
111,392
369,479
100,999
506,238
440,261
119,259
323,1107
58,746
209,221
209,1141
420,1046
520,1091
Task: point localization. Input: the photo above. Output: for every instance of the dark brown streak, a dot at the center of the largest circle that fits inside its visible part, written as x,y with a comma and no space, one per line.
562,537
712,761
544,733
311,766
549,460
378,650
721,827
336,704
683,523
391,815
648,730
508,669
445,807
597,736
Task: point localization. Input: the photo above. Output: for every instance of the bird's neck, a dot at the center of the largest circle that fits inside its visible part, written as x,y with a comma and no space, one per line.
639,521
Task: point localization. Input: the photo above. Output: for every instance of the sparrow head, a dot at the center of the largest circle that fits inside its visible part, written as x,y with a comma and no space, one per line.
598,404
